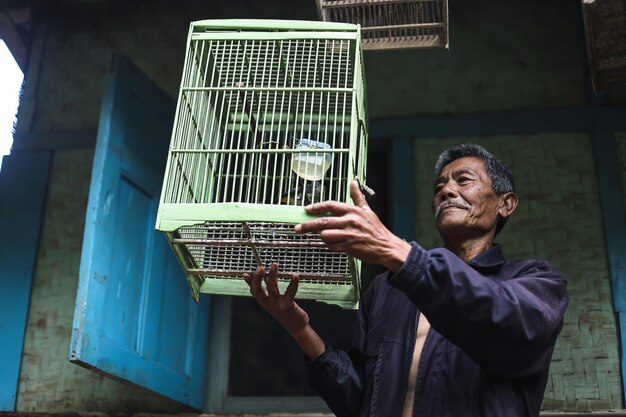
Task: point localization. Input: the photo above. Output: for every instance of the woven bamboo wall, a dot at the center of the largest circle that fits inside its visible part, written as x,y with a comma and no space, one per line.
558,219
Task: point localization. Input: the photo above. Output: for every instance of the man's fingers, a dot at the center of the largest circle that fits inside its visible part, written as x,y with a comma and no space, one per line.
335,236
334,208
337,241
292,288
357,196
271,280
256,289
247,278
325,223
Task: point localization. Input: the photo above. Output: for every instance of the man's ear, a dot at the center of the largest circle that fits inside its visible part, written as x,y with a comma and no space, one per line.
508,204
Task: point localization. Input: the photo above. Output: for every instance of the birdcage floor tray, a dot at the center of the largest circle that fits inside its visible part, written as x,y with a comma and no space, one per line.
343,295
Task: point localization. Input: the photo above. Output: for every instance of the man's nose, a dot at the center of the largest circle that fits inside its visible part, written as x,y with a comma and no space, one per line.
449,190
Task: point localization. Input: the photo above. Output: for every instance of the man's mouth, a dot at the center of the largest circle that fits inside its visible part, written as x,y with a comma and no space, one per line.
447,205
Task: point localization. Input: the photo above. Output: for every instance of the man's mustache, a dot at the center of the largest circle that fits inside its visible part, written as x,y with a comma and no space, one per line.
457,202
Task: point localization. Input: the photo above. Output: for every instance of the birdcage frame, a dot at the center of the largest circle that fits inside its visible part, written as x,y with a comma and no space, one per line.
230,195
392,24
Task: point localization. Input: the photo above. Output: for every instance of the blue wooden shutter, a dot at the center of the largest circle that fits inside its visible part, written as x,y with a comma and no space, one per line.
134,318
23,186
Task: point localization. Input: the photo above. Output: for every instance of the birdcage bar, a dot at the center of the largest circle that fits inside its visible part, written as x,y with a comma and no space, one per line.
193,101
273,89
237,98
227,53
298,106
330,4
282,104
276,156
282,60
251,119
261,151
306,99
281,275
258,160
268,36
245,104
199,126
182,124
212,128
245,242
407,26
262,103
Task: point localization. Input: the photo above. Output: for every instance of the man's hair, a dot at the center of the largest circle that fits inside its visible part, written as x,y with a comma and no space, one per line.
500,174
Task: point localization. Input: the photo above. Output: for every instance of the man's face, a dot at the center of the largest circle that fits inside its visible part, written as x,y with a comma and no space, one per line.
463,199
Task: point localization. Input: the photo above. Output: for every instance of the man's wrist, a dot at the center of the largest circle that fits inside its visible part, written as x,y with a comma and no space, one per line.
310,342
296,331
398,256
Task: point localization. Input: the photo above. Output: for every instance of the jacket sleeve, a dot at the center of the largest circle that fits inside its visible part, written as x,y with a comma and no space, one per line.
508,326
337,375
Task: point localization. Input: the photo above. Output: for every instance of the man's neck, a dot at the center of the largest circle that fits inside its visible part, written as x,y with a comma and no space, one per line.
470,248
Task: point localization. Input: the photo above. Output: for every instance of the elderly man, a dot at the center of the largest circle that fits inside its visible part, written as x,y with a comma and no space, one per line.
452,331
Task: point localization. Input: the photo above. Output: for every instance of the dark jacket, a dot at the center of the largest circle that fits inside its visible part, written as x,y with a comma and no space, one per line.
494,324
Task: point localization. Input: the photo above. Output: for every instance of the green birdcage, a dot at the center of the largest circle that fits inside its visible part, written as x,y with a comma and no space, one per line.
271,117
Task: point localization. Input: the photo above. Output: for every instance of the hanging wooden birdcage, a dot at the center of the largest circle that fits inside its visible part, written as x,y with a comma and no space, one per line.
392,24
270,117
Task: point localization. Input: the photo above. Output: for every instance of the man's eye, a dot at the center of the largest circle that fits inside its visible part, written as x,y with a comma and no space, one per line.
463,180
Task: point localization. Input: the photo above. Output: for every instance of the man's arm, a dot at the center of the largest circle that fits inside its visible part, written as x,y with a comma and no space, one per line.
509,326
284,309
334,374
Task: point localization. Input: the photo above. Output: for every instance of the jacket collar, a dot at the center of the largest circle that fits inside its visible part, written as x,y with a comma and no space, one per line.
489,258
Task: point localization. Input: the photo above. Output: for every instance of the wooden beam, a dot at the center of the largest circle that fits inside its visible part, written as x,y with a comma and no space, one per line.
54,140
14,41
569,119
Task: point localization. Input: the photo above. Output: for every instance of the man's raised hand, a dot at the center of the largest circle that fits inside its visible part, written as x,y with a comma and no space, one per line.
356,230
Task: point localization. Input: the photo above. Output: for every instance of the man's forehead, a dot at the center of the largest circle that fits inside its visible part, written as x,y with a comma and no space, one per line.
464,164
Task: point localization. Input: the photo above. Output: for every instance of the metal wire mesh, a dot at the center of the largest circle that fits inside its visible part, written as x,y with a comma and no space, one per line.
228,249
392,24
